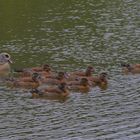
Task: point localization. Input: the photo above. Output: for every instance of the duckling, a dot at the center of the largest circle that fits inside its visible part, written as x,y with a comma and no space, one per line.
88,72
44,67
83,85
5,61
43,70
59,91
100,80
129,68
31,78
78,74
27,83
60,78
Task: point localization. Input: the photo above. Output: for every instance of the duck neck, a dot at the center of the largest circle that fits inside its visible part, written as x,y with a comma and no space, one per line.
34,80
88,73
84,84
59,78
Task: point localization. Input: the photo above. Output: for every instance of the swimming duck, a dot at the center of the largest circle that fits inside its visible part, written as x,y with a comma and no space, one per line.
44,67
59,91
76,75
87,72
5,60
43,70
82,85
57,79
100,80
129,68
27,83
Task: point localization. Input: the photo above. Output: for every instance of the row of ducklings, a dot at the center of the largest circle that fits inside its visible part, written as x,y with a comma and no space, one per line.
35,78
44,81
5,61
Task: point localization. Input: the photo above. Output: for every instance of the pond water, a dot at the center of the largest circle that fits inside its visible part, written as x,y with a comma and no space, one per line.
70,35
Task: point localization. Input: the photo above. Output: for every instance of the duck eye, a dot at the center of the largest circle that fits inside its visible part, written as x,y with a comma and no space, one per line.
7,56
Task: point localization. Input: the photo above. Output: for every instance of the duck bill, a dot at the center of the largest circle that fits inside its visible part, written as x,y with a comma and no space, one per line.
10,61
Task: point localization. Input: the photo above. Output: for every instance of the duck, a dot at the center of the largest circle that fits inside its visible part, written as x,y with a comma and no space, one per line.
100,80
53,92
28,83
44,67
87,72
5,61
82,85
130,68
44,70
56,79
78,74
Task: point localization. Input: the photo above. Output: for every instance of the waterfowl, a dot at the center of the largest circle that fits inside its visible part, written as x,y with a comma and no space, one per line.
58,79
5,60
87,72
100,80
78,74
59,91
44,67
129,68
27,83
43,70
82,85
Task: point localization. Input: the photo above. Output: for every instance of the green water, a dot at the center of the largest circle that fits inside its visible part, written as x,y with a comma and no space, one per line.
70,35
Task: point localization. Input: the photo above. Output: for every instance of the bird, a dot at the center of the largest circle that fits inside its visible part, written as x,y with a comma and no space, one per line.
81,85
52,92
27,82
44,70
130,68
56,79
5,61
78,74
99,80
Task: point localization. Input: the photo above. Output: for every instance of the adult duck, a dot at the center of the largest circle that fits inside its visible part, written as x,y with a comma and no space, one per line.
52,92
129,68
5,61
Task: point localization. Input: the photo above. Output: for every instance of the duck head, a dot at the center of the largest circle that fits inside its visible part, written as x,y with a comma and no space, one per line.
103,75
89,70
4,58
125,65
46,68
62,86
128,66
36,76
60,75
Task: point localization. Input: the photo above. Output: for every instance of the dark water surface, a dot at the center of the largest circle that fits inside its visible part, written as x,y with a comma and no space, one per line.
70,35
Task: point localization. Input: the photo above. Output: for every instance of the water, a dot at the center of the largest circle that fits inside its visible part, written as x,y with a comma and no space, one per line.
70,35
